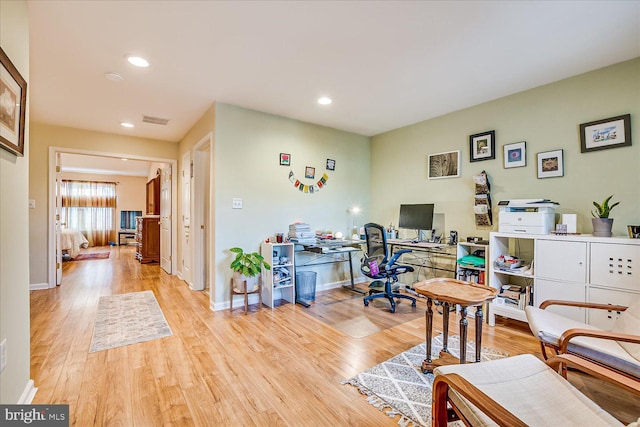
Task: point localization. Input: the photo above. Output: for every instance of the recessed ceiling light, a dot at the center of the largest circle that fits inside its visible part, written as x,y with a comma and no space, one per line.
324,100
124,160
114,77
127,125
138,61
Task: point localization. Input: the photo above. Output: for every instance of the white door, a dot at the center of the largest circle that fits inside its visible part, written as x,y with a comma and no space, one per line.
165,219
58,224
186,218
200,214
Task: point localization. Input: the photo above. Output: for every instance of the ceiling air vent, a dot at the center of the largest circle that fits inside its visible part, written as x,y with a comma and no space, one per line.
155,120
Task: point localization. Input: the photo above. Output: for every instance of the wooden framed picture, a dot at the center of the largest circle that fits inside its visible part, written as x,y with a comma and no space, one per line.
310,172
550,164
482,146
607,133
285,159
13,103
444,165
515,155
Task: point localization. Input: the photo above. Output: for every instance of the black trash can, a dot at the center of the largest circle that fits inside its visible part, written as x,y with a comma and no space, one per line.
305,287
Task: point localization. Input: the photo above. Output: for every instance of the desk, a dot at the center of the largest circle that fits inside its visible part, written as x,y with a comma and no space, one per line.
430,249
330,253
452,291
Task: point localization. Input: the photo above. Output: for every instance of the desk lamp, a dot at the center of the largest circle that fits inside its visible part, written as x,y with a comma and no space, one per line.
355,211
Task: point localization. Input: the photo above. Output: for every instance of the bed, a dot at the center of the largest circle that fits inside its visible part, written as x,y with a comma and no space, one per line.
72,241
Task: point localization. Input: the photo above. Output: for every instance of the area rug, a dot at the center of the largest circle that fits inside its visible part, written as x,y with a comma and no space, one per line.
128,319
398,385
344,310
91,255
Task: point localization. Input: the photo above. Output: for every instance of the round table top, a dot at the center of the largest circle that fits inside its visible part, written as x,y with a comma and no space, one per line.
455,291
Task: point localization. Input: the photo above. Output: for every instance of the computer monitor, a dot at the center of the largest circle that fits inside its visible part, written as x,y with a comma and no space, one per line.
416,217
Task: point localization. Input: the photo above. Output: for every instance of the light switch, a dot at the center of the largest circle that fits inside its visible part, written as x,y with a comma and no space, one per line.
32,204
237,204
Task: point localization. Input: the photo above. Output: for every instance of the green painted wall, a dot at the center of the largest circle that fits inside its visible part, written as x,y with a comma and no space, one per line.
547,118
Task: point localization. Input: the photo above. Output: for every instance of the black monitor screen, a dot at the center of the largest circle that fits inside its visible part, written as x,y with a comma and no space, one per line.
128,219
416,217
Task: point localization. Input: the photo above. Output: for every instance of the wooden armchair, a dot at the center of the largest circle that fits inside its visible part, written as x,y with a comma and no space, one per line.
520,391
618,349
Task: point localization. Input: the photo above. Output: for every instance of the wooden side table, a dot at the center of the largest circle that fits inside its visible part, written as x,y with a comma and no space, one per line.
450,292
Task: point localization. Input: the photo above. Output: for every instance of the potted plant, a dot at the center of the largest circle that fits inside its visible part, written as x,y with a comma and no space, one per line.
602,224
246,265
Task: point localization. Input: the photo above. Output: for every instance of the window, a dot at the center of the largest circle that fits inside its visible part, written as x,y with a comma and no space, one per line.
90,207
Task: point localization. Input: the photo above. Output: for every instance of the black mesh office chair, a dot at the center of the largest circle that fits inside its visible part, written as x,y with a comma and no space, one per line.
377,265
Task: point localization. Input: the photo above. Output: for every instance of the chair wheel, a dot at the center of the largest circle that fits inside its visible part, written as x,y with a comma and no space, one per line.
413,304
366,303
393,308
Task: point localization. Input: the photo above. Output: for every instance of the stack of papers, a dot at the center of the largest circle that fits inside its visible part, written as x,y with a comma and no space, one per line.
300,232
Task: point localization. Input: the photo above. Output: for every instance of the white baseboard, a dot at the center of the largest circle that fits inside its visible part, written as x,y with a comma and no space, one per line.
179,274
28,394
38,286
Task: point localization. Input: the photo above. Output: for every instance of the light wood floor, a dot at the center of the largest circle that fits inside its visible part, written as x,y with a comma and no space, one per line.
279,367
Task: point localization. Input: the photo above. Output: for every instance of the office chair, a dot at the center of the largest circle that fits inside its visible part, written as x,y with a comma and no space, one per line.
377,265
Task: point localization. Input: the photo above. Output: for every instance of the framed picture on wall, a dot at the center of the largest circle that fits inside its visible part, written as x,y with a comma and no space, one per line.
310,172
443,165
482,146
285,159
13,92
331,165
550,164
607,133
515,155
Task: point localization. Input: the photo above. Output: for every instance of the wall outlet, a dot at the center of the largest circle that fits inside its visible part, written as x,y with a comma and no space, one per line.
32,204
3,354
237,204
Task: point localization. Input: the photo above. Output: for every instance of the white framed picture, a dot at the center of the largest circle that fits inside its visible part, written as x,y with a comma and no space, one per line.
515,155
443,165
550,164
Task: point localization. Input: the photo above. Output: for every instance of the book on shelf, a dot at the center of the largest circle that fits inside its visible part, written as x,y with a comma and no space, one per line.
517,296
474,276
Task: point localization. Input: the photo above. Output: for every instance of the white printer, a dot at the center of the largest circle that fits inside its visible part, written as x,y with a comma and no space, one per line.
527,216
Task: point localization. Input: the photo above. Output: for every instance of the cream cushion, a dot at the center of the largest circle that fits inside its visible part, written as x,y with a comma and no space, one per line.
530,390
548,326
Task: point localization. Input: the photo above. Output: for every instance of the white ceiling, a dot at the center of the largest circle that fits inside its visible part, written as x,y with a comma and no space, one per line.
386,64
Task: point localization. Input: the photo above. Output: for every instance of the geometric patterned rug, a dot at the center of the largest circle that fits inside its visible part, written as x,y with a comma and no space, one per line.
399,386
128,319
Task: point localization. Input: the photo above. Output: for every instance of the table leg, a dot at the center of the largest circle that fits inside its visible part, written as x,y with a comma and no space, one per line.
463,334
353,285
445,327
478,332
426,364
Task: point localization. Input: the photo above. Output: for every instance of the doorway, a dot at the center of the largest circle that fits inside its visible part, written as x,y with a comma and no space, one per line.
201,214
54,267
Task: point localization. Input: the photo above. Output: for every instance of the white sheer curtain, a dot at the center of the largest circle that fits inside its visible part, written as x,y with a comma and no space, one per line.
90,206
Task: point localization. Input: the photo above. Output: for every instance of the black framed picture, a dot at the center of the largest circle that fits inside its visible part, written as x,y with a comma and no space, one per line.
310,172
482,146
285,159
606,133
551,164
331,165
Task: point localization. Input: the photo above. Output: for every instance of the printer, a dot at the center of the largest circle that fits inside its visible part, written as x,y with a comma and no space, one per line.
527,216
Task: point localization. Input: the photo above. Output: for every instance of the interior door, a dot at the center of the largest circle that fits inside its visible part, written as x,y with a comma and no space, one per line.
186,176
165,219
58,222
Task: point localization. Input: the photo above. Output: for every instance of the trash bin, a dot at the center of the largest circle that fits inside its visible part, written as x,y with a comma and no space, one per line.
305,287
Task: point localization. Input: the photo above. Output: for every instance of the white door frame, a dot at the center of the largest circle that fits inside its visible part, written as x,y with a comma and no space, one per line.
201,260
186,269
53,151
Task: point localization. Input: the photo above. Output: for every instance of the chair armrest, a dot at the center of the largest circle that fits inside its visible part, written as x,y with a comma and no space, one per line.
563,361
611,307
567,335
397,255
492,409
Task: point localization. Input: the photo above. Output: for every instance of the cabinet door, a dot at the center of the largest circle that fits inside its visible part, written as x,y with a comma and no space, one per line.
548,289
604,319
616,266
560,260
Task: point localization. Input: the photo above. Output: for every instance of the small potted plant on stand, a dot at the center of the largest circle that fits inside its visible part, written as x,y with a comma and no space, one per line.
245,266
602,224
